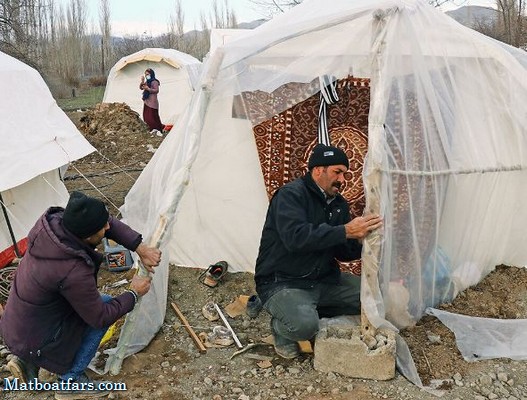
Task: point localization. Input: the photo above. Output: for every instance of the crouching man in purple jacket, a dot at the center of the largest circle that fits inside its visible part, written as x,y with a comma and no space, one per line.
55,316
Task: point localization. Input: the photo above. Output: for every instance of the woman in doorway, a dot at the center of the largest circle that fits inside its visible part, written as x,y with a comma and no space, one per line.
150,87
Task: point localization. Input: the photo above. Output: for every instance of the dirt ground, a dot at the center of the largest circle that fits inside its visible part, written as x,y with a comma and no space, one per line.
171,367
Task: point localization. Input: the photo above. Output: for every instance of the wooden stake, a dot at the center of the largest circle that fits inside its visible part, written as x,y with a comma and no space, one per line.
195,338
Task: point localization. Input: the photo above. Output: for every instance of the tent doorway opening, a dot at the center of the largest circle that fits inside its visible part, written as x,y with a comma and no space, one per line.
285,140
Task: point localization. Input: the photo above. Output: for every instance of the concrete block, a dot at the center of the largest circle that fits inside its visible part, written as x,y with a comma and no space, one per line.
340,349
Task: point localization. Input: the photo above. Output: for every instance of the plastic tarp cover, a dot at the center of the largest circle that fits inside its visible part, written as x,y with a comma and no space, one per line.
485,338
446,164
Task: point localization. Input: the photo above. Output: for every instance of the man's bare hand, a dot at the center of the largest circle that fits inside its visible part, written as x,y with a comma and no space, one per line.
140,284
360,227
150,256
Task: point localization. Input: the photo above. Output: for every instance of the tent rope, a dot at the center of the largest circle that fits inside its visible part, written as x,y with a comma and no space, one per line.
6,279
96,189
91,183
52,187
121,169
73,177
12,215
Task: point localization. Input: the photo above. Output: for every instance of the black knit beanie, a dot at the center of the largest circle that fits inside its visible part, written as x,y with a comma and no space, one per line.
84,215
323,155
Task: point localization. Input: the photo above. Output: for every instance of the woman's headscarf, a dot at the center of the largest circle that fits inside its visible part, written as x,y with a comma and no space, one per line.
146,93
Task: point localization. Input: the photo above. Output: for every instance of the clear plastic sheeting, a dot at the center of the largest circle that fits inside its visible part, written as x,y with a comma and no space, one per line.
439,107
485,338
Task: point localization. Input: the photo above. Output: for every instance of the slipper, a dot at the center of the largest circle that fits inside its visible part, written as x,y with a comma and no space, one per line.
218,338
212,275
210,312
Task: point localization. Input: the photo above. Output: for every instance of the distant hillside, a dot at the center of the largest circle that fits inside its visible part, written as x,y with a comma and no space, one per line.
251,25
473,15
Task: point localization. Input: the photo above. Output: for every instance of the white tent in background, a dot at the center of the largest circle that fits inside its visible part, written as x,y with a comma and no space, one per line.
439,109
37,139
220,37
177,72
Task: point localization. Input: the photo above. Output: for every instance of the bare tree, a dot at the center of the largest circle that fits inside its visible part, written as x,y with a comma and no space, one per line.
268,8
509,25
439,3
71,51
222,16
512,24
106,34
23,29
128,45
174,38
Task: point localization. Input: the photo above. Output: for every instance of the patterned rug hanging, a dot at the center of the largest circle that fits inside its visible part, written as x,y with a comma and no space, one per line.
285,141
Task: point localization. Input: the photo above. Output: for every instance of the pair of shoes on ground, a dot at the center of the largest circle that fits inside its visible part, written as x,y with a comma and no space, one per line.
218,338
213,274
85,388
24,371
156,132
284,347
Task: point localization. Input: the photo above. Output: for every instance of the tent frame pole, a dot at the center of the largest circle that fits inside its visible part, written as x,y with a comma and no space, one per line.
200,101
10,227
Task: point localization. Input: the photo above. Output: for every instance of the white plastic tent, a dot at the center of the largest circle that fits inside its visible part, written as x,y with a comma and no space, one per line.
177,72
446,156
220,37
37,139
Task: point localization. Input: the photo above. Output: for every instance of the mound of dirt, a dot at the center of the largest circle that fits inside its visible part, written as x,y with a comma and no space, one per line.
118,133
124,147
501,295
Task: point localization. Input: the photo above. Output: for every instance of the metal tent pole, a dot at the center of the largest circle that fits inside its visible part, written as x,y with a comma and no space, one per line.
9,227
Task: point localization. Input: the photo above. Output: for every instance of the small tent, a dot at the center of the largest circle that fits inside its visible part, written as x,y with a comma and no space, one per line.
37,139
430,113
177,72
221,36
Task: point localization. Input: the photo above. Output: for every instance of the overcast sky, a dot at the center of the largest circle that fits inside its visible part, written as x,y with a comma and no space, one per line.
133,17
151,17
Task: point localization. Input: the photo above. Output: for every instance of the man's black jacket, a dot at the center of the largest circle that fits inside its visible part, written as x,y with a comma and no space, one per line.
302,237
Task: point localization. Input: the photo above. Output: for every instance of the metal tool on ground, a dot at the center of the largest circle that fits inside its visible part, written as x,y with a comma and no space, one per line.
249,347
228,326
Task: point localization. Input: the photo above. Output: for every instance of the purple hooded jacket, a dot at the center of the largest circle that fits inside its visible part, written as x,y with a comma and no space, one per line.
54,294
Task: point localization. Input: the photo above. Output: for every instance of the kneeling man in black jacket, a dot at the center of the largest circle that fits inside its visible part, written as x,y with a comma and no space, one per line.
308,227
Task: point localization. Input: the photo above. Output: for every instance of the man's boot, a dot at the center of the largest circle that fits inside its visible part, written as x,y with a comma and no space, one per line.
24,371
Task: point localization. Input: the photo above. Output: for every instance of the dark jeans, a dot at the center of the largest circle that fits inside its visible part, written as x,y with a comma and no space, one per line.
89,345
296,312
